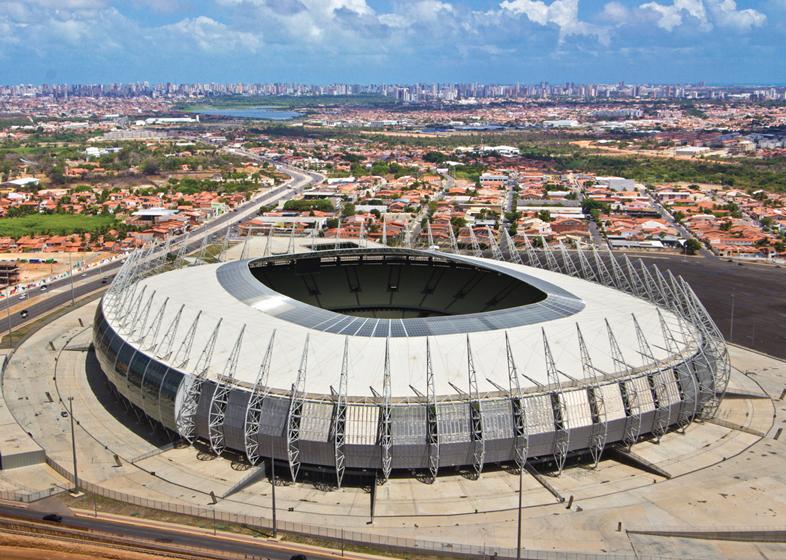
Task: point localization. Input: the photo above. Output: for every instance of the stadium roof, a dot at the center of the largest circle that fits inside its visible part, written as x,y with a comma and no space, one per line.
229,292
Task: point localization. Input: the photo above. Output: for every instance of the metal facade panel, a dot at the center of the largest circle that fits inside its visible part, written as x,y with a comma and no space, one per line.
453,422
497,419
274,416
540,415
235,419
668,392
577,407
408,424
640,386
203,409
316,421
362,425
612,399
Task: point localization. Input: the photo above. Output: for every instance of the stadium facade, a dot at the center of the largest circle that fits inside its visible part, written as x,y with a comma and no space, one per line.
382,359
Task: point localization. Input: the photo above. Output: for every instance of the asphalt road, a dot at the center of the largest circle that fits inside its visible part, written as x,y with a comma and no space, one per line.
163,536
757,293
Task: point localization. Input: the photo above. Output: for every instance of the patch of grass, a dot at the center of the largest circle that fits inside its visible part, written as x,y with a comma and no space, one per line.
55,224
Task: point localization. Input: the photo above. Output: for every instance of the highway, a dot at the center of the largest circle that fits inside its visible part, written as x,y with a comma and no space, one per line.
165,538
40,302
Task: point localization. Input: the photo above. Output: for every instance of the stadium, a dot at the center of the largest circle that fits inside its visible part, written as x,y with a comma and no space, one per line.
371,359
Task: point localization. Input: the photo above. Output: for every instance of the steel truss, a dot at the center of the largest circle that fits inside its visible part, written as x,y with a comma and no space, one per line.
295,415
142,329
155,327
567,261
429,233
600,425
186,417
453,241
713,350
520,426
630,395
560,411
218,403
496,252
636,283
253,417
183,354
675,302
620,280
532,255
662,419
602,273
432,417
551,261
134,310
587,272
340,416
385,436
723,370
164,349
476,415
510,247
476,250
687,410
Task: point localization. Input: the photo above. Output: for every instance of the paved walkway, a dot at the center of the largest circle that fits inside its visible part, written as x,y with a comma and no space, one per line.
726,472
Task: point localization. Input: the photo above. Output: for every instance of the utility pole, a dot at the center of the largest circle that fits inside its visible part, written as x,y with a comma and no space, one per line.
731,328
8,314
73,443
273,478
71,268
518,532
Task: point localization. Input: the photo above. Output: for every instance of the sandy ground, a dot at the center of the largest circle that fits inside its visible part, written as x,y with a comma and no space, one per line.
667,153
18,547
32,272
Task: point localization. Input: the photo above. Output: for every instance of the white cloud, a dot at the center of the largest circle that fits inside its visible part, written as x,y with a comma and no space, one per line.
670,16
616,13
418,12
726,14
212,36
562,13
708,13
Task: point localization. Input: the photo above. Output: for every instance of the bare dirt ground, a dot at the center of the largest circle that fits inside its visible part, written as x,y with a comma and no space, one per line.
20,547
600,149
30,272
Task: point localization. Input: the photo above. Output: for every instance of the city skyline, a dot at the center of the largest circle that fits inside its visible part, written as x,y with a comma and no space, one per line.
392,41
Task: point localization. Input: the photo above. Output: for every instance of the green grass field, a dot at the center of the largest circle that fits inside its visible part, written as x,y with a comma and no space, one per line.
54,224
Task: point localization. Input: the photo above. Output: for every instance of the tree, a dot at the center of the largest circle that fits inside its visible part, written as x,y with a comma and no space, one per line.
544,215
348,210
435,157
150,167
692,246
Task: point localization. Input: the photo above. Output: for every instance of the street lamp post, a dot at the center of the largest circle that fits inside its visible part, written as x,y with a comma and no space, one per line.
8,314
518,531
71,268
273,479
73,442
731,328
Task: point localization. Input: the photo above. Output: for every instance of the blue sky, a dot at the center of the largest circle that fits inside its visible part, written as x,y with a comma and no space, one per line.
361,41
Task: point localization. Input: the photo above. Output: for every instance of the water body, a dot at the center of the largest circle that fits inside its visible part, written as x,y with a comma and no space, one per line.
258,113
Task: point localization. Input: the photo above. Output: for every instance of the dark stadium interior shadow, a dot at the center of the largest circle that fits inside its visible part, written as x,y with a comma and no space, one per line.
120,409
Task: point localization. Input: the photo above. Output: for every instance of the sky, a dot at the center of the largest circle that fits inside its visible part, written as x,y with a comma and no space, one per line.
393,41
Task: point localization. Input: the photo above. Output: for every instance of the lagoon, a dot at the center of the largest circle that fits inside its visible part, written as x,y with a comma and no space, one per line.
260,113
